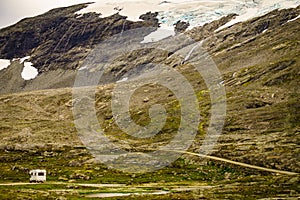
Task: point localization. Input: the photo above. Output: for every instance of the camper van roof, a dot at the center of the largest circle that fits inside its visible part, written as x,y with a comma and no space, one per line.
40,170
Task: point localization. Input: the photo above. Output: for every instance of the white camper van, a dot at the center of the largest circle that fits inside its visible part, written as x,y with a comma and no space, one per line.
37,175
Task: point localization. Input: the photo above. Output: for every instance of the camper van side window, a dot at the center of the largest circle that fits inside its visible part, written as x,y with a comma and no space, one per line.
40,174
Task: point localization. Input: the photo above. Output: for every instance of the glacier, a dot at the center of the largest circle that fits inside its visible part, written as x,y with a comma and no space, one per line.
196,12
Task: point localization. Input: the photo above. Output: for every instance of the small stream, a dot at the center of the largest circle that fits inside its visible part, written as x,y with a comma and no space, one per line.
120,194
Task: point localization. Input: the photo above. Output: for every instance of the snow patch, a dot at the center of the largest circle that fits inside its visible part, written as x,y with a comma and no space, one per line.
4,63
122,80
250,13
258,8
192,50
82,68
161,33
80,15
131,9
293,19
29,72
23,59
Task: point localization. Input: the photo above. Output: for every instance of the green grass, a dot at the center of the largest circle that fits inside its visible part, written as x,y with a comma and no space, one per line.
17,165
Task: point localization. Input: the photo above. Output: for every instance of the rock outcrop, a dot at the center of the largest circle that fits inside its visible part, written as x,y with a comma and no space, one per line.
60,38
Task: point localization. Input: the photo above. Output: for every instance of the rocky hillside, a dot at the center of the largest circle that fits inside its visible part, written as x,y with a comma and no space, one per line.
58,42
60,36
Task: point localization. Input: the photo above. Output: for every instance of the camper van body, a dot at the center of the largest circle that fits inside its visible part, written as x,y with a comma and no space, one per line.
37,175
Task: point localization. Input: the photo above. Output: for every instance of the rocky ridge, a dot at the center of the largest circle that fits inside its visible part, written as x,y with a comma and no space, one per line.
59,40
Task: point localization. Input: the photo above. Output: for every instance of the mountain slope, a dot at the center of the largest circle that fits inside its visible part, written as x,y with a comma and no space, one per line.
62,41
259,60
59,39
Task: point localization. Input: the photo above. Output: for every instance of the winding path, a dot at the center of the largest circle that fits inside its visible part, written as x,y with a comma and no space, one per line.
239,163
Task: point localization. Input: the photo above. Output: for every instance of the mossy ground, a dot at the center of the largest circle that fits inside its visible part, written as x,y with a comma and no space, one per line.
183,179
43,135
